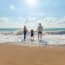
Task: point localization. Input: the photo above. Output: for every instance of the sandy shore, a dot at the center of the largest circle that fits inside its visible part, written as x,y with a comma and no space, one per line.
19,55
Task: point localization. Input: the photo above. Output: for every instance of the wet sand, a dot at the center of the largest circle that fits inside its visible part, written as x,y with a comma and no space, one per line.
24,55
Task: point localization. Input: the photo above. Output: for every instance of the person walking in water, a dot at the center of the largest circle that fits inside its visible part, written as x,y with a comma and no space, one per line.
25,32
40,32
32,34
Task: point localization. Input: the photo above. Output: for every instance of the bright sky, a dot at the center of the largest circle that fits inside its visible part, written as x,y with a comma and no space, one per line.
16,13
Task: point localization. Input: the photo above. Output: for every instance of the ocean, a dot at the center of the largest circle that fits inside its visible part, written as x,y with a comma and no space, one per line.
47,39
20,29
55,29
8,29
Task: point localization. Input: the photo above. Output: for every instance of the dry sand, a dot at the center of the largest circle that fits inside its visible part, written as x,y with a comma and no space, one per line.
19,55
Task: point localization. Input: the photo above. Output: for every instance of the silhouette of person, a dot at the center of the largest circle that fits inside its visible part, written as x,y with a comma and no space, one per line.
25,32
40,31
32,34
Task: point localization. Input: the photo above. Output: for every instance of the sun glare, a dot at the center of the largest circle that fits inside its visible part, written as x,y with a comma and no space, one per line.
31,3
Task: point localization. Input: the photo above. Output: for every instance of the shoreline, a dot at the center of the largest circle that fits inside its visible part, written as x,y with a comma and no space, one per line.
33,45
46,40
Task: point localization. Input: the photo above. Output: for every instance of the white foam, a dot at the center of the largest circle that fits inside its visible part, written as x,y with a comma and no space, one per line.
47,39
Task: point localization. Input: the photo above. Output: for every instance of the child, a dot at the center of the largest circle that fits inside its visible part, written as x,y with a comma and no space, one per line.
32,34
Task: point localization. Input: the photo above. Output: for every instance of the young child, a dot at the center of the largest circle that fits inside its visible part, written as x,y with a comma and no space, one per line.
32,34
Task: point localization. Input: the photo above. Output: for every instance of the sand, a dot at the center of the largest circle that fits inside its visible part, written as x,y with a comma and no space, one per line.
24,55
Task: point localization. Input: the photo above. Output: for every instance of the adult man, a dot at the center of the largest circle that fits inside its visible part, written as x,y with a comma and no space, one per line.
40,31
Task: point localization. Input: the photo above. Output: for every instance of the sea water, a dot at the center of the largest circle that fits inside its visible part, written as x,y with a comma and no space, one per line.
47,39
8,29
46,29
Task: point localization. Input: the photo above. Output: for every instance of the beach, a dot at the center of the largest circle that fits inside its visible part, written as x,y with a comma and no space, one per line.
15,51
28,55
32,32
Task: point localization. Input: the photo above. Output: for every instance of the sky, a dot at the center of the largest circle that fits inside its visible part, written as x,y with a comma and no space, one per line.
17,13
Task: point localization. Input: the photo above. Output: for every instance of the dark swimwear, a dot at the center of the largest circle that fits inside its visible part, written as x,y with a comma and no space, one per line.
25,35
32,33
39,32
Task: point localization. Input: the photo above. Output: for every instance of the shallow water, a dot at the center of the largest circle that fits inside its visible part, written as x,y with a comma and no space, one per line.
47,39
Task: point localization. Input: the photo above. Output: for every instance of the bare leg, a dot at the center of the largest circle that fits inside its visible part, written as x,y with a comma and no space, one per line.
33,37
38,36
